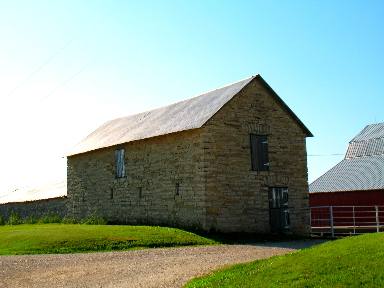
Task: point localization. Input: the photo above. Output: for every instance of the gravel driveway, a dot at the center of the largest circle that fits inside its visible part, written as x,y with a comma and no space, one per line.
163,267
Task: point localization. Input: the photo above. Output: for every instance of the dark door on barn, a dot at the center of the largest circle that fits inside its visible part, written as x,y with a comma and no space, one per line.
278,209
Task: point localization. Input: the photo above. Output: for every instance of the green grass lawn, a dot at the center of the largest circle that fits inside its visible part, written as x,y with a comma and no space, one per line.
350,262
72,238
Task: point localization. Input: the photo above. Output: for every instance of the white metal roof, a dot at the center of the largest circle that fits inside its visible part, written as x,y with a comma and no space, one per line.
48,190
362,168
372,131
355,174
185,115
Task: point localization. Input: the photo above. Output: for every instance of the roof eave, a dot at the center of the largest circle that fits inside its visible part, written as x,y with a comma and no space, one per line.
285,106
70,154
346,191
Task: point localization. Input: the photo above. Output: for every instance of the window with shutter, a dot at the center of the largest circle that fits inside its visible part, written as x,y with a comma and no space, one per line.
120,163
259,152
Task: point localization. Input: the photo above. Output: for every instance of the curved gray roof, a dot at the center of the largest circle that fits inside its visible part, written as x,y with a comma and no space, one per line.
362,168
365,148
355,174
185,115
372,131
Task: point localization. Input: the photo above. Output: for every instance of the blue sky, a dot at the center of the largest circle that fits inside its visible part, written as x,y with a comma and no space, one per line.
68,66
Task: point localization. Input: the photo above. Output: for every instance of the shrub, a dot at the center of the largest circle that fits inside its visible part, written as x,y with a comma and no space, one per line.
2,220
94,219
69,220
14,219
30,220
50,218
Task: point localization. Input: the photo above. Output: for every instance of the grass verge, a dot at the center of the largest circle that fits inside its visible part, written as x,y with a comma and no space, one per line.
73,238
350,262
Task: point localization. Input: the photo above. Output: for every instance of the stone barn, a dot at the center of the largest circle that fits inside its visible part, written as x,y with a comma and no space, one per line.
230,160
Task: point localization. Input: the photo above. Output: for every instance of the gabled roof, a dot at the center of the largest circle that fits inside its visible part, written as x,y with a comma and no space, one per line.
185,115
46,191
362,167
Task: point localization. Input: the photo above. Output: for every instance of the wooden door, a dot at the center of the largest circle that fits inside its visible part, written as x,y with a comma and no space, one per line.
278,209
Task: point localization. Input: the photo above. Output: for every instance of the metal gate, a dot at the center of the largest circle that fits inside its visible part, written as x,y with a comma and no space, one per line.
346,220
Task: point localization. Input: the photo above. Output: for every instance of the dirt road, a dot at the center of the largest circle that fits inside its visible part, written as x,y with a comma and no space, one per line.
164,267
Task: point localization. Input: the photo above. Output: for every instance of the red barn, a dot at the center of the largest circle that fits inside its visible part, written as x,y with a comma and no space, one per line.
358,180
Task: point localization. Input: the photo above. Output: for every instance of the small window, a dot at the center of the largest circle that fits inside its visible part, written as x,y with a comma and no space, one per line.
177,189
120,163
259,152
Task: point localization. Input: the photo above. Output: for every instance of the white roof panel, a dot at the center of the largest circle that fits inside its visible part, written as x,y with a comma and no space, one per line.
185,115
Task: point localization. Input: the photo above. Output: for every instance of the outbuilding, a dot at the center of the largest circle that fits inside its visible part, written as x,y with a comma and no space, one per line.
359,178
231,160
351,194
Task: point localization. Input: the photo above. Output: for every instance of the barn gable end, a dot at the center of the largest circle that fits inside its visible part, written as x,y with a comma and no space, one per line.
236,196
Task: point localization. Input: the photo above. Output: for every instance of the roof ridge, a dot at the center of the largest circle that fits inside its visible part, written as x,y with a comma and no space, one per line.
184,100
184,115
187,114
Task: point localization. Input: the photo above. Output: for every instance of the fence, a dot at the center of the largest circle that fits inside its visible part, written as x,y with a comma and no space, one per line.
346,220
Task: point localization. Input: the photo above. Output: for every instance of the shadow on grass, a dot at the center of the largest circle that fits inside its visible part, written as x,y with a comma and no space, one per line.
242,238
268,240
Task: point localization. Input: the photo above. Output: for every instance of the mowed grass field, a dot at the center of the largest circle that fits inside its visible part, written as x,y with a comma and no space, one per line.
73,238
356,261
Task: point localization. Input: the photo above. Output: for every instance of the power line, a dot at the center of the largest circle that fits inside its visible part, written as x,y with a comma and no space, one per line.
324,155
39,68
64,83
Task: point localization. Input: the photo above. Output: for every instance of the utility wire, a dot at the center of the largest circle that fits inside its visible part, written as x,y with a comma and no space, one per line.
64,83
324,155
39,68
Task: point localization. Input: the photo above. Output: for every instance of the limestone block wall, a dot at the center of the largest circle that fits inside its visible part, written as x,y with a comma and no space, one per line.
211,165
147,195
236,196
37,208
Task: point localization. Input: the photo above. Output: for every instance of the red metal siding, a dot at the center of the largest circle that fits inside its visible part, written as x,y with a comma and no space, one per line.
343,210
350,198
